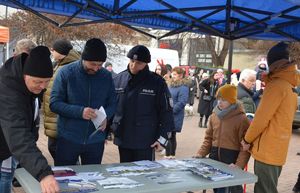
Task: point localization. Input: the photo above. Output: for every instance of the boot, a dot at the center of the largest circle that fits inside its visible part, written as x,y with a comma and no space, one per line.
296,188
16,183
205,122
200,122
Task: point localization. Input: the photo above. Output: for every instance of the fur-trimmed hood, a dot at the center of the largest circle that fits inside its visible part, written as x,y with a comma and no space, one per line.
185,81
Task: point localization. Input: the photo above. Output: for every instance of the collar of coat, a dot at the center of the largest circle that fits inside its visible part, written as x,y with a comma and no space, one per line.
140,76
250,92
177,83
283,69
12,73
232,110
71,57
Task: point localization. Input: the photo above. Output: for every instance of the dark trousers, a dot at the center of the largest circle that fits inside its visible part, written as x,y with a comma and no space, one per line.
52,146
131,155
67,153
232,189
267,177
172,145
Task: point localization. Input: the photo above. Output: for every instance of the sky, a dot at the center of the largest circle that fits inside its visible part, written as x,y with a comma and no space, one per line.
2,10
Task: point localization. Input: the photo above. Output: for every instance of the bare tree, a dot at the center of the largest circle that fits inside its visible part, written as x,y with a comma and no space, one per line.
25,24
218,59
295,52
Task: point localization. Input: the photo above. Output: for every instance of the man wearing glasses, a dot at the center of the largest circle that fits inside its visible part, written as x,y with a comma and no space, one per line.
79,90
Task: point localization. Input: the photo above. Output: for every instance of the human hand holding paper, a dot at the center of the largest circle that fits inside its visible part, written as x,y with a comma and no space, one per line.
100,121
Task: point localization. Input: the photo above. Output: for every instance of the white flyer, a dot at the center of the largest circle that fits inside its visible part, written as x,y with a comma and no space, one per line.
101,116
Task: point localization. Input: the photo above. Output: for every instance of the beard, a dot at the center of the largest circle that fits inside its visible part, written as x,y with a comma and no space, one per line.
89,71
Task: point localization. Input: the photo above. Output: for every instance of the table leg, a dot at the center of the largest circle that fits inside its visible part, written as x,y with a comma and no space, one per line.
227,190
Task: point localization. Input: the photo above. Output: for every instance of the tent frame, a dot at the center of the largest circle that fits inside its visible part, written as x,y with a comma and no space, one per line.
120,14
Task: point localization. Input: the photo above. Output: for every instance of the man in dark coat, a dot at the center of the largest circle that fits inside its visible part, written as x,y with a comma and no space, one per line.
21,81
245,90
144,115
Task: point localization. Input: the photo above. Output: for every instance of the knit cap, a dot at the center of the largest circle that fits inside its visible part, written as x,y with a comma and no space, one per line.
38,63
62,46
140,53
278,52
228,92
107,64
94,50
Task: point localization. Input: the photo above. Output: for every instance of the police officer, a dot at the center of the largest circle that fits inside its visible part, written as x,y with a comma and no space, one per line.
144,115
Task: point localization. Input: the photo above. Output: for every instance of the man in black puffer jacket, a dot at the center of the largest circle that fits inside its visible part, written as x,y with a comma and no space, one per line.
22,79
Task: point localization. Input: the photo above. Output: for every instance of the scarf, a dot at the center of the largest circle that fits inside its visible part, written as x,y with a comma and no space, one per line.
222,113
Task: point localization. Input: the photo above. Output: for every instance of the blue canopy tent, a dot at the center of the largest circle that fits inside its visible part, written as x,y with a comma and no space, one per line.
229,19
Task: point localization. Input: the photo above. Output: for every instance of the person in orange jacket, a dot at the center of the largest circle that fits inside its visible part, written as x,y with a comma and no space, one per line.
269,134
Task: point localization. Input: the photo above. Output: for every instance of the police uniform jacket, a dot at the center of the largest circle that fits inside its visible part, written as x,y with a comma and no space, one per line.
144,112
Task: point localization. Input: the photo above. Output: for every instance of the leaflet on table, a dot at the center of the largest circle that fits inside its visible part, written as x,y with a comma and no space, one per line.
91,176
166,178
211,173
116,182
129,170
63,171
75,177
78,187
171,163
148,164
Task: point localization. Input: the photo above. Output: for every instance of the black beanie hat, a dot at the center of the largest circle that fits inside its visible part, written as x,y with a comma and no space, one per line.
278,52
62,46
94,50
140,53
38,63
107,64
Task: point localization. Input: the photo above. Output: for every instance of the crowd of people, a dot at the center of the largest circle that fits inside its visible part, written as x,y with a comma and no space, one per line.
251,116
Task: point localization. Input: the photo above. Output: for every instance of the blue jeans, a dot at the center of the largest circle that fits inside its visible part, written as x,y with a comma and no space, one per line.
67,153
7,177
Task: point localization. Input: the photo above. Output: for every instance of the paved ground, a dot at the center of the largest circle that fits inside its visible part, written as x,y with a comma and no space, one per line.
188,143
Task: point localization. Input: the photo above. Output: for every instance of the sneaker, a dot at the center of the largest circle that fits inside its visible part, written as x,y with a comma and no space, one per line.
16,183
167,157
200,124
163,152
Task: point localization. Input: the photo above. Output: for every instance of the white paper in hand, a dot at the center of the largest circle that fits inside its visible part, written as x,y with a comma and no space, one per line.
101,116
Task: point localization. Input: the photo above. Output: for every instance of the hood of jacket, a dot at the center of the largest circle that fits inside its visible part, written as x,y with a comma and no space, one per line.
176,83
71,57
11,73
285,71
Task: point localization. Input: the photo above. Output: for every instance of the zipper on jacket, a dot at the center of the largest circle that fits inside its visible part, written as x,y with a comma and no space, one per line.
89,104
219,137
